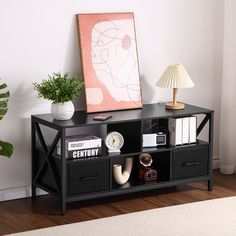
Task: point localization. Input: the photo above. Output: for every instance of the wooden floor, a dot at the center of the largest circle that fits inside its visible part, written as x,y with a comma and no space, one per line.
26,214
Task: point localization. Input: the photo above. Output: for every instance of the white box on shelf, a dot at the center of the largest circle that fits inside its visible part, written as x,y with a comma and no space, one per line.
150,140
175,130
192,129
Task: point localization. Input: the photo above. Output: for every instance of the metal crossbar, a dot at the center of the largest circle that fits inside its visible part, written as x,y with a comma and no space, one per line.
203,123
48,152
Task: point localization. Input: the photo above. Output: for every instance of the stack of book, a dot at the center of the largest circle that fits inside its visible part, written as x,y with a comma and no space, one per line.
82,146
183,130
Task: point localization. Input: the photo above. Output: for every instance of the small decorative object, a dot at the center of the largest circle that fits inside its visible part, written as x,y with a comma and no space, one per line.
109,61
146,173
175,76
161,139
154,139
6,149
61,90
114,142
122,178
145,159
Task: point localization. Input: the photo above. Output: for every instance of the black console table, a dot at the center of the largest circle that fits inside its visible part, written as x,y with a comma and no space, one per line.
73,180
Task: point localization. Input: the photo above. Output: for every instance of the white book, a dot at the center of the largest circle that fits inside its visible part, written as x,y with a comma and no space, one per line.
192,129
175,130
80,142
185,130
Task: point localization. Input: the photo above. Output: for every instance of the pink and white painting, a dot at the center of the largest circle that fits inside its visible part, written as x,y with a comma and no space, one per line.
109,61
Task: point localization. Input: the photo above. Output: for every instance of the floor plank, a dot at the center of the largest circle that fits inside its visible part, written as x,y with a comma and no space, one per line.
27,214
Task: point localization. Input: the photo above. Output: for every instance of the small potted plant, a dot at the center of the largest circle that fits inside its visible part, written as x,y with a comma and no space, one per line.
6,149
61,89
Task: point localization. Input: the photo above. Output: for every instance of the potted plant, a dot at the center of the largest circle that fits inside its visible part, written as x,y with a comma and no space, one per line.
61,89
6,149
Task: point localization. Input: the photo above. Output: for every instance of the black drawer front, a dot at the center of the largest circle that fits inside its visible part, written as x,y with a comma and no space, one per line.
190,162
86,177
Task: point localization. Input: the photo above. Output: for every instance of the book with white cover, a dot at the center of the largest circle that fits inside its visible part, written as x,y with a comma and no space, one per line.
192,129
175,130
83,142
80,142
185,131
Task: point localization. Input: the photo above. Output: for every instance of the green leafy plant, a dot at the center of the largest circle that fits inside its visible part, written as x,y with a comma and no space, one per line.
59,88
6,149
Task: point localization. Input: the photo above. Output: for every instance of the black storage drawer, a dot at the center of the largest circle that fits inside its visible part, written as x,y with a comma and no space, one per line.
88,176
190,162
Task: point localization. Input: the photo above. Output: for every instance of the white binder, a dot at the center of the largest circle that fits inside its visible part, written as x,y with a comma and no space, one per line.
185,131
175,130
192,129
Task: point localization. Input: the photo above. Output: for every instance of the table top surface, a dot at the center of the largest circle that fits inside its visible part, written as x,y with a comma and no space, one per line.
149,111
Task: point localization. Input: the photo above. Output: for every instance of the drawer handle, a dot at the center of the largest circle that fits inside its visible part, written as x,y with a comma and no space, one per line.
88,178
188,164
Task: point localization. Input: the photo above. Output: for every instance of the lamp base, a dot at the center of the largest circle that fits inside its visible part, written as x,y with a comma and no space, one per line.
172,106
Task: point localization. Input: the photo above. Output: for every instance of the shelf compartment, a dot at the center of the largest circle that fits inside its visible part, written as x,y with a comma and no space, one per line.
131,132
161,163
155,125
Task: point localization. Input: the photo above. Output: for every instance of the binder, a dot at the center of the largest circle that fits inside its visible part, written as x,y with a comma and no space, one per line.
192,129
175,130
185,131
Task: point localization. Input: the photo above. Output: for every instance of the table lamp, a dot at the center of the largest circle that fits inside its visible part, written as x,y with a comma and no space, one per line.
175,76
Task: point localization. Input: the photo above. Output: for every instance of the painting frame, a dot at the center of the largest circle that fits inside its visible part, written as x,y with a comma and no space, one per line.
109,60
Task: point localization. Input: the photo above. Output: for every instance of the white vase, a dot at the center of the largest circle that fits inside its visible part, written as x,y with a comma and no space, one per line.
62,111
122,177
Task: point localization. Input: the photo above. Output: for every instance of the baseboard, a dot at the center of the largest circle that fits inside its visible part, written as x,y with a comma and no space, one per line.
18,192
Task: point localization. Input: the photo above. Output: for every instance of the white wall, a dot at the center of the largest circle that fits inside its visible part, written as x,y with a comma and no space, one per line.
40,37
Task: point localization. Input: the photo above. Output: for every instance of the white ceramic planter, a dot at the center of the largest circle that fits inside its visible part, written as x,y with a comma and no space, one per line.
62,111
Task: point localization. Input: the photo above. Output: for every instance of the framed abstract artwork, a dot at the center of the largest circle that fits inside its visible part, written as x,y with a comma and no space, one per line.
109,61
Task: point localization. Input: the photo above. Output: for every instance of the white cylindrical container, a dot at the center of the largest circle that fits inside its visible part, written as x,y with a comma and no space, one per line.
62,111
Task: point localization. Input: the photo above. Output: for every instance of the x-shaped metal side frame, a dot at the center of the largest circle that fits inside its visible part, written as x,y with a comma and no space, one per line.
47,154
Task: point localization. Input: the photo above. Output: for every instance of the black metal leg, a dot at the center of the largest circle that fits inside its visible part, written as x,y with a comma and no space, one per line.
63,206
210,184
33,153
33,191
64,173
211,125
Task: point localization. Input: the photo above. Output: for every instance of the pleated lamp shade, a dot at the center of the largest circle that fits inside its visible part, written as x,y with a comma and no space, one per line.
175,76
